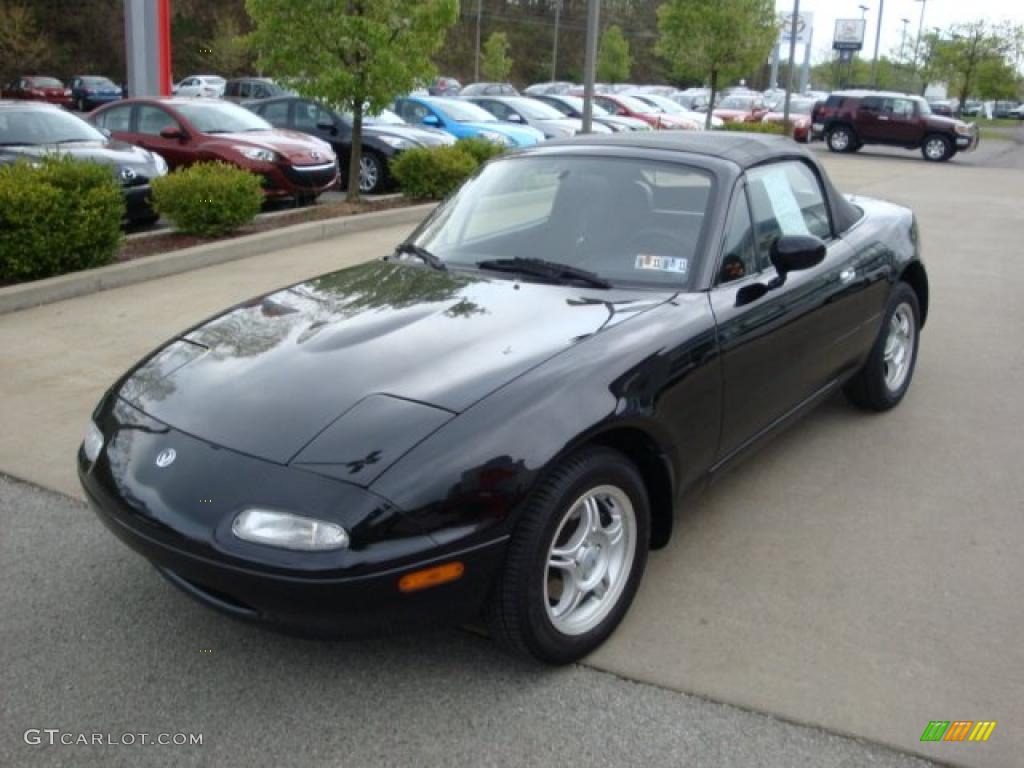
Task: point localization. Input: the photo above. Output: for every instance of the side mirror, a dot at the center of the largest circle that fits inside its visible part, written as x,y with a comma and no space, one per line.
172,132
514,117
431,120
791,253
106,132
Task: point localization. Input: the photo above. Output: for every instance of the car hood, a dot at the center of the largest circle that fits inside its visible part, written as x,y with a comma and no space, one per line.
429,137
295,146
947,123
115,153
267,376
520,133
560,124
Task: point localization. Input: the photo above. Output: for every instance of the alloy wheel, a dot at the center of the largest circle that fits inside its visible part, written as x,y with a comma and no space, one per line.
590,559
935,149
369,173
839,140
899,347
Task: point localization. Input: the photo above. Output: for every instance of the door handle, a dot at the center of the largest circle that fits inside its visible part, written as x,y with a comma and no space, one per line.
882,117
847,275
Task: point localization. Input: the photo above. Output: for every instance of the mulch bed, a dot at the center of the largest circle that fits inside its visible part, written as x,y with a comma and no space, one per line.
163,242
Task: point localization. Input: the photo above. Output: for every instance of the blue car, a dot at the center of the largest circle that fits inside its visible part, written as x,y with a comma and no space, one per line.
463,120
91,91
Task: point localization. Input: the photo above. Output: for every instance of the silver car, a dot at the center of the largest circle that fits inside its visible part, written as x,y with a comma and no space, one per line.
526,111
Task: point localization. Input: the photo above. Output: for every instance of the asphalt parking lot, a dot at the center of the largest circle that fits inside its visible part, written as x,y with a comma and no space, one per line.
861,574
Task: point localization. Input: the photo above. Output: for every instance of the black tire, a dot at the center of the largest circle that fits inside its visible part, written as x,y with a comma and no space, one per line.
931,141
868,388
841,138
517,613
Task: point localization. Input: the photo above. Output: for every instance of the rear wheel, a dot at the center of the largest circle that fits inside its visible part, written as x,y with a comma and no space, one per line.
841,139
937,148
885,377
575,559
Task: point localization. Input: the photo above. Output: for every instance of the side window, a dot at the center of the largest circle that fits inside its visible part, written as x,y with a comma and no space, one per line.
116,119
496,108
276,114
786,199
152,120
900,107
739,251
412,112
231,89
307,115
871,104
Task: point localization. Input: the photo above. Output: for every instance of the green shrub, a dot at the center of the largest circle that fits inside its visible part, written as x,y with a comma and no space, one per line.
57,215
432,173
774,128
480,149
208,199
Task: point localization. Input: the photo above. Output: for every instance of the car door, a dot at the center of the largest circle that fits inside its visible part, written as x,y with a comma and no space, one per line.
905,125
117,120
149,120
781,346
868,122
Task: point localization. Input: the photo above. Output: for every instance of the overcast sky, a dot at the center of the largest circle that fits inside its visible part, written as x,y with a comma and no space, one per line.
938,13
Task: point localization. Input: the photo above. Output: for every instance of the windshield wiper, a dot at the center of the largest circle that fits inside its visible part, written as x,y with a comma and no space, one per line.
422,254
544,268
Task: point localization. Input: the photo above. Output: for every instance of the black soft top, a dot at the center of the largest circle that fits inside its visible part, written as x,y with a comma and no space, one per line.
745,150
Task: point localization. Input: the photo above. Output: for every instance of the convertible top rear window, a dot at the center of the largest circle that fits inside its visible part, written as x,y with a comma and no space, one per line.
629,221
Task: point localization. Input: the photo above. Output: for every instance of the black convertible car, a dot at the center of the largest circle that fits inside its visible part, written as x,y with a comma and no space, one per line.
500,417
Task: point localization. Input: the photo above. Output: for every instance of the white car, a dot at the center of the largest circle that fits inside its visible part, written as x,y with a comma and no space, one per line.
207,86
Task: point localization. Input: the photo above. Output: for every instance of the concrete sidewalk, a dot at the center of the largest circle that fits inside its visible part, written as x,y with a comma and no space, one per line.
862,573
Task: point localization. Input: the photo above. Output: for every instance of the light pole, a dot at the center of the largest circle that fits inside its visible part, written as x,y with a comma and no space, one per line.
878,40
476,60
903,44
554,48
920,29
590,62
863,11
792,56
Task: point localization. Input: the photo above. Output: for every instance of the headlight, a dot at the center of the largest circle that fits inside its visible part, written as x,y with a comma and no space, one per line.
396,141
93,442
288,531
255,153
160,163
497,138
963,129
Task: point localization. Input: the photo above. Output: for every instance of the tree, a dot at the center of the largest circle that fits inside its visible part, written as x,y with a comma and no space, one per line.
975,57
613,59
228,49
22,46
495,64
357,55
715,39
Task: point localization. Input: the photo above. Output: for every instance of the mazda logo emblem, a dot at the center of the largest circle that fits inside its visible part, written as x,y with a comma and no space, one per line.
315,155
127,175
166,457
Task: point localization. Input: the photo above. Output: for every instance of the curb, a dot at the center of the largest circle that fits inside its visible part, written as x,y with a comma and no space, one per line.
52,289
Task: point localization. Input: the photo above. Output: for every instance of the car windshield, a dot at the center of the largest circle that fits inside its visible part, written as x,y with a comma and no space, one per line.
635,105
45,82
221,118
464,112
802,107
97,82
737,102
20,127
384,117
216,80
576,103
535,110
662,103
629,221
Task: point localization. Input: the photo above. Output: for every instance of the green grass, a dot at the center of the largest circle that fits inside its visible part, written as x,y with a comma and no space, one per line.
1002,122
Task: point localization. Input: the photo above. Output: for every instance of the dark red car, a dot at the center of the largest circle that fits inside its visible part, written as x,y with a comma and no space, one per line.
187,130
38,88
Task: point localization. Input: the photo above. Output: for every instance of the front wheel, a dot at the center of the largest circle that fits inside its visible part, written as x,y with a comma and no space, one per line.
937,148
575,559
885,377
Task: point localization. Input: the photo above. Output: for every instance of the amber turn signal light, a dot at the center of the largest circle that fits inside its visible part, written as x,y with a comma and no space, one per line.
431,577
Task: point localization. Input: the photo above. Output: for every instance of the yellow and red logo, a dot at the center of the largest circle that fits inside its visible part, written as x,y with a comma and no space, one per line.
958,730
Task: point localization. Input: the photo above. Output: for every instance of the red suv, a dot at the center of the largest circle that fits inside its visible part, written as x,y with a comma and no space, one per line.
849,120
186,131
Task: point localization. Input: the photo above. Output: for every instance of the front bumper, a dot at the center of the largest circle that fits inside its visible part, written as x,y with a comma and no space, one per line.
292,180
967,143
138,203
179,516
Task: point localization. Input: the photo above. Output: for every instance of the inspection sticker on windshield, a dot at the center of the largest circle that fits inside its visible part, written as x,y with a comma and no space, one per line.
675,264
